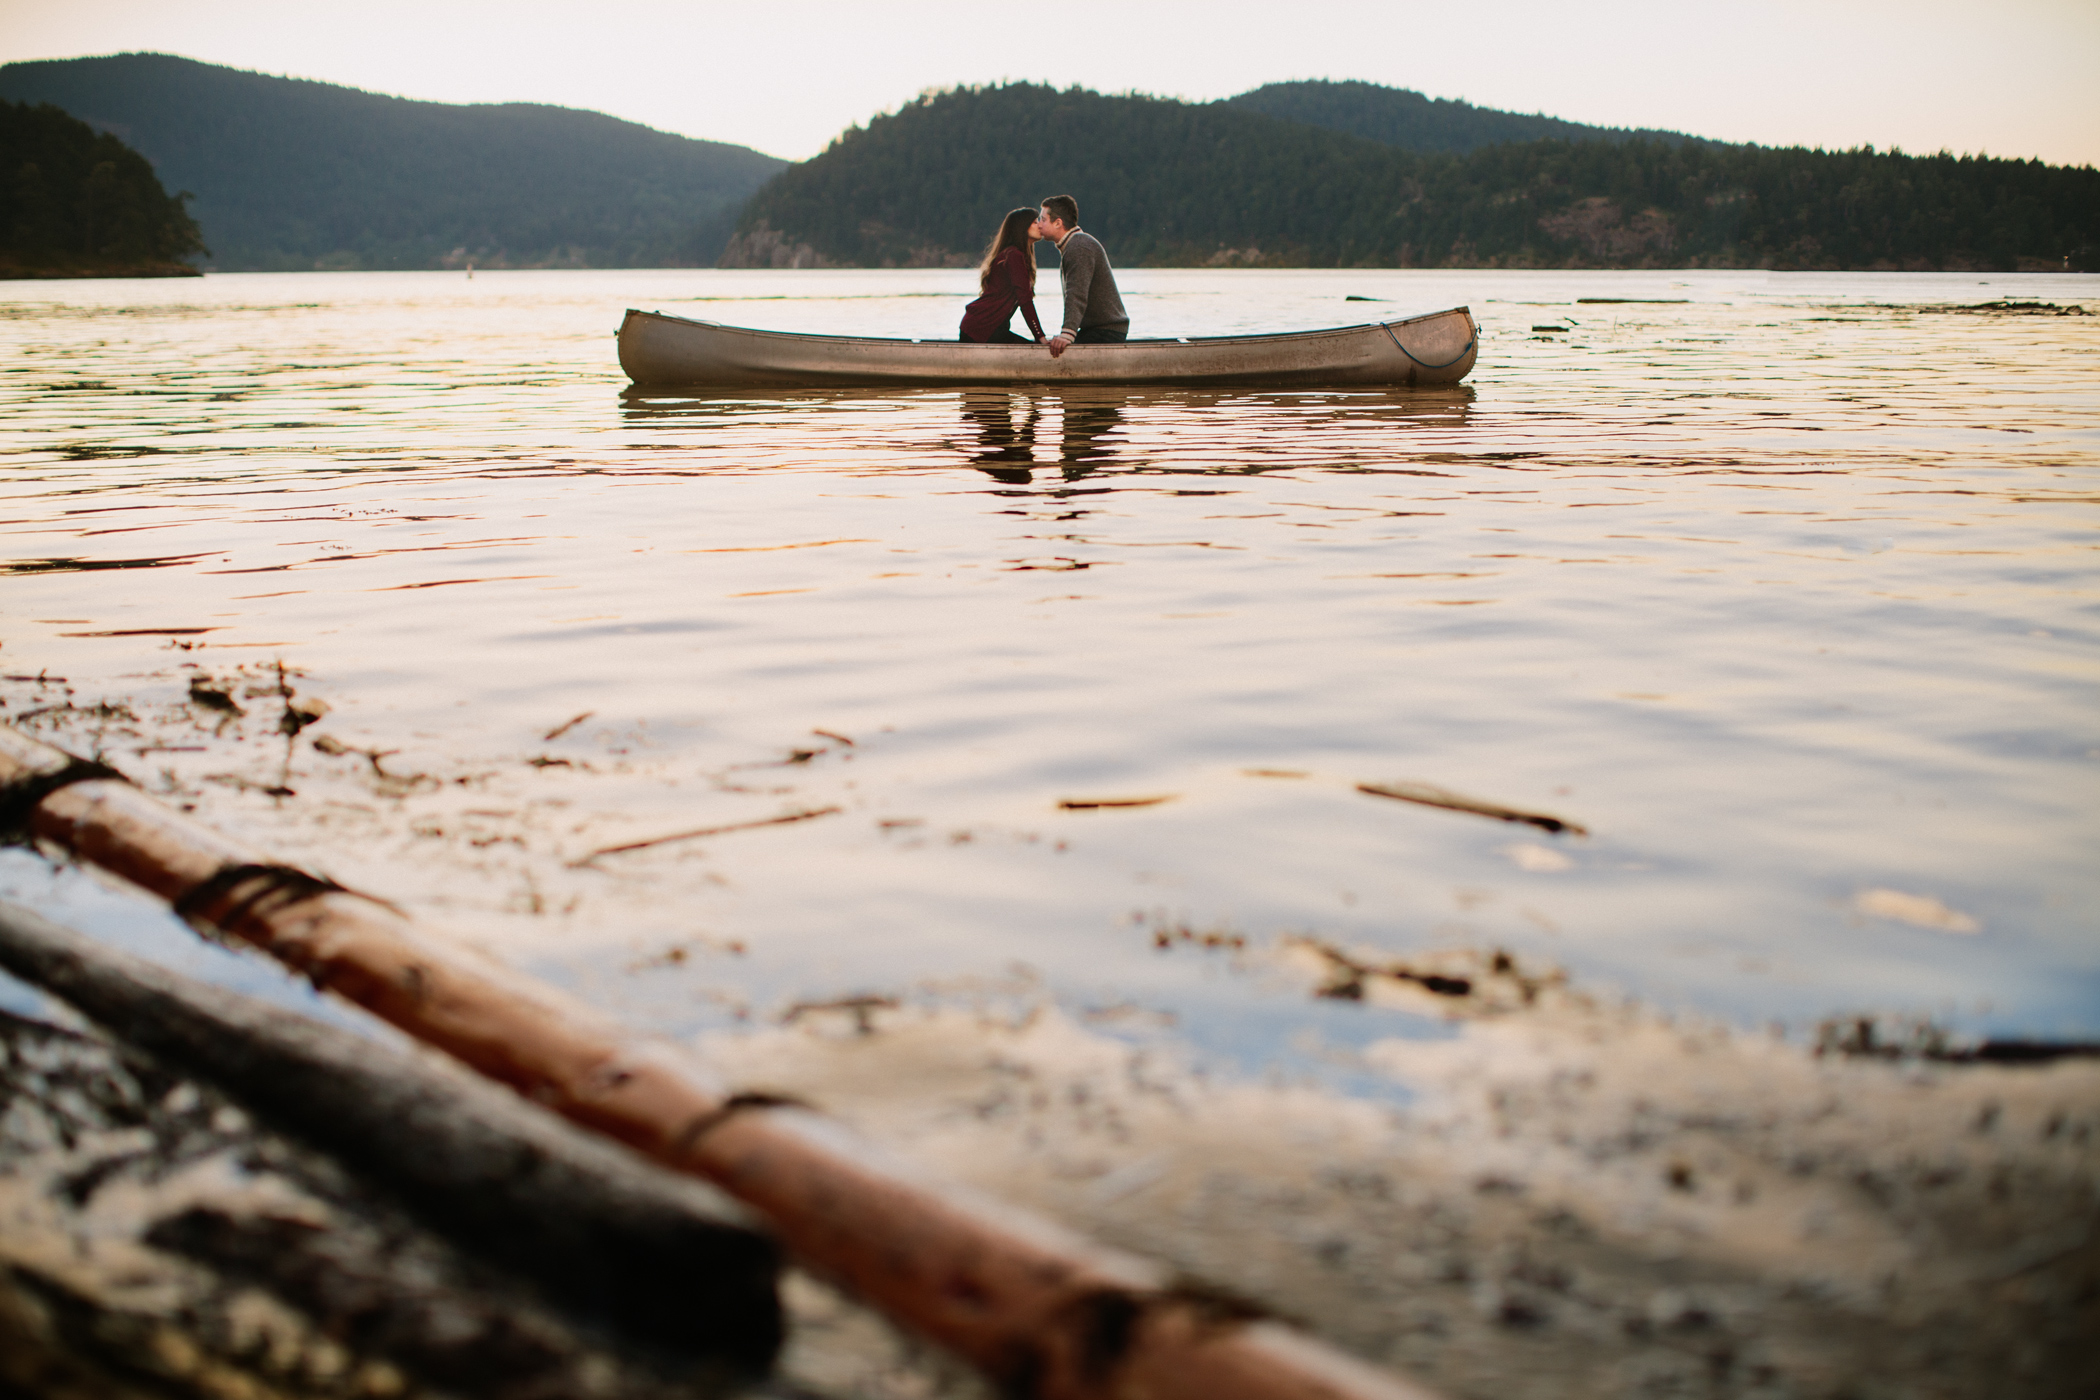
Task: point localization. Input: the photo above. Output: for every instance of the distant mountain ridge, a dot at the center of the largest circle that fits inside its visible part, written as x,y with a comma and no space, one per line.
1168,183
289,174
1413,122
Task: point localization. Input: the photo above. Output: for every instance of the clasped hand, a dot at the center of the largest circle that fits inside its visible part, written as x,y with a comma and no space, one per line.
1058,344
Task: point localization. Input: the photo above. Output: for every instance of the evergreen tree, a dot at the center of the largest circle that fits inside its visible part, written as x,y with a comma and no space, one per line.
81,201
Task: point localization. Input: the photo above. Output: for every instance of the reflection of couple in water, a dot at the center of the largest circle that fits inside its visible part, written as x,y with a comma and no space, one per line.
1006,425
1094,311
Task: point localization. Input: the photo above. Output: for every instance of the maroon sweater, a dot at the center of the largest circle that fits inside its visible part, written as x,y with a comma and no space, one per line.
1009,285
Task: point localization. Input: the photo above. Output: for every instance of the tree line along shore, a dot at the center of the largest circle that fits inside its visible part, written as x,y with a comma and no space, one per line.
295,175
1174,184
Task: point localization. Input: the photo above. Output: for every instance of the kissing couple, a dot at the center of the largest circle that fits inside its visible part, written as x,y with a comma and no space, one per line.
1094,311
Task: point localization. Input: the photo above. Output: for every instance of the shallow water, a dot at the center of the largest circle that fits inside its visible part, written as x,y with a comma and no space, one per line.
1781,587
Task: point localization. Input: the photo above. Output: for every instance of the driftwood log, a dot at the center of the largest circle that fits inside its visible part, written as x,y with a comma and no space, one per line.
1042,1312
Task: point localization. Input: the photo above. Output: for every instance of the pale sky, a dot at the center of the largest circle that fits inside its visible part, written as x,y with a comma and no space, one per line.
2014,78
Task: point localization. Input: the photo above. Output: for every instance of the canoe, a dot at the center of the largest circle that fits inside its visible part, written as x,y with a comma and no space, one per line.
660,351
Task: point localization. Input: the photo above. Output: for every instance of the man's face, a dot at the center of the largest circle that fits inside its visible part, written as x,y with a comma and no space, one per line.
1050,228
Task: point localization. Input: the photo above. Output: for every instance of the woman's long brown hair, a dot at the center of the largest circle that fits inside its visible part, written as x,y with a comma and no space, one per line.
1013,233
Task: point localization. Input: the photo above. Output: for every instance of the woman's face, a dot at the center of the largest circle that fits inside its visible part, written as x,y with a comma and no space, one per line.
1035,232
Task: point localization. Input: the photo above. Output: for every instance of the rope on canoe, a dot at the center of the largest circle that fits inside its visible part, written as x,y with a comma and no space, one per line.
1387,325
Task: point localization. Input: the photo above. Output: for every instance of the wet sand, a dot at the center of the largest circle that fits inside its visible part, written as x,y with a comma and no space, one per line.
1581,1201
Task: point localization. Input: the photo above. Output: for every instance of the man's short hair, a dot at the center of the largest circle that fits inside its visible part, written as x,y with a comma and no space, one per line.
1063,208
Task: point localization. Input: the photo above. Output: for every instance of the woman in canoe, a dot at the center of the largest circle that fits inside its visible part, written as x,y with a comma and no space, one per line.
1006,278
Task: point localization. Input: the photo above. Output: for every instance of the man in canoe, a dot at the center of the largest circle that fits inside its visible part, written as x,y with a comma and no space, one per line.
1094,311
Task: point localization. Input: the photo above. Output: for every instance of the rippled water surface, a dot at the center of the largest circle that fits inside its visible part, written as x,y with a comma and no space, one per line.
1782,588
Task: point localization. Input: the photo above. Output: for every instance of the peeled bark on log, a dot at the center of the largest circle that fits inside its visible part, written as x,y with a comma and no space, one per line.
1043,1312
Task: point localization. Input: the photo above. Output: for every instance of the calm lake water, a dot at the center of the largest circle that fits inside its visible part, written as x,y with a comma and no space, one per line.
1782,587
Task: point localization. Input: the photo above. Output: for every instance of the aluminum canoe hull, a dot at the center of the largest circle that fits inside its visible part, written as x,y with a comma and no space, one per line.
660,351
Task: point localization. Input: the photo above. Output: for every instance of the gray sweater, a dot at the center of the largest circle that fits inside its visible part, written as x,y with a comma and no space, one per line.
1091,298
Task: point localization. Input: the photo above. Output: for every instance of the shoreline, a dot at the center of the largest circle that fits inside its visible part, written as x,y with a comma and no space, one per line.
12,272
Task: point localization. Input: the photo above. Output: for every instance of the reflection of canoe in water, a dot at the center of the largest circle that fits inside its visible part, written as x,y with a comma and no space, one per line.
660,350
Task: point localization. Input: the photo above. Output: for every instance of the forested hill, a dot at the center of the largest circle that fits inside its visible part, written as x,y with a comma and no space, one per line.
1167,183
1398,117
291,174
80,203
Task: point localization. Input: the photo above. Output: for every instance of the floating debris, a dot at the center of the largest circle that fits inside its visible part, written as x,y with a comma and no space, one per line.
2005,308
678,954
695,835
1429,795
206,696
336,748
1917,910
1167,932
241,784
298,714
1093,804
1348,984
796,756
2027,1052
1481,983
1902,1038
861,1008
1059,564
69,565
102,710
147,632
565,726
